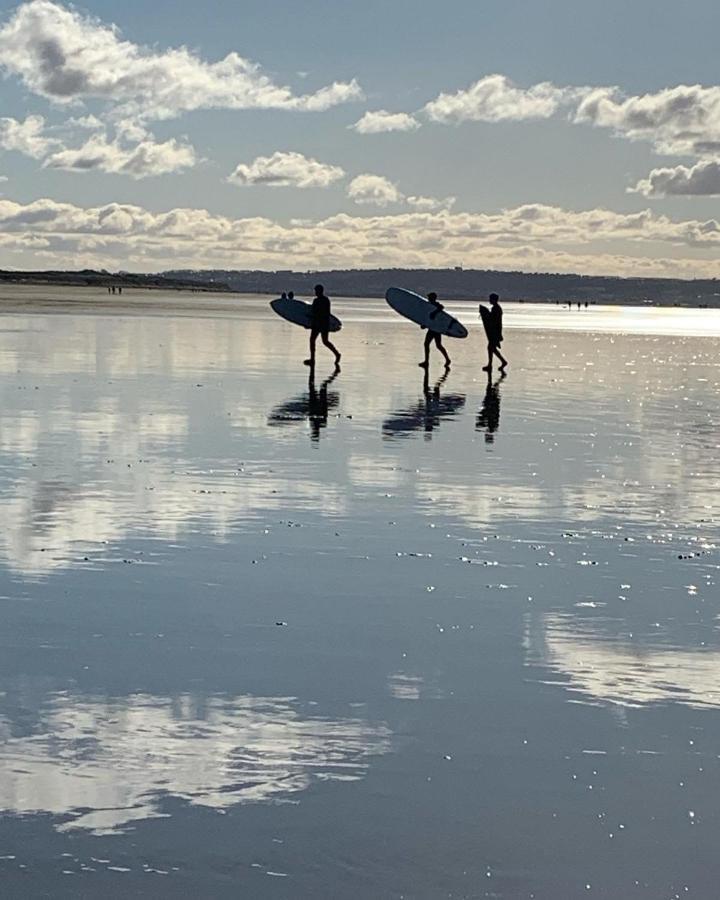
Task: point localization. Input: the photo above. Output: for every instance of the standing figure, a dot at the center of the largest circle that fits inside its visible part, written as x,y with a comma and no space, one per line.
321,325
492,320
434,335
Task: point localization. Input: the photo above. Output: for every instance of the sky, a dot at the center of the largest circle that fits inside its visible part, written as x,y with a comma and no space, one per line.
541,135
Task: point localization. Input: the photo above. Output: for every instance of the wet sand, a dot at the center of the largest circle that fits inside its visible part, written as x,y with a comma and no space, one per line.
364,637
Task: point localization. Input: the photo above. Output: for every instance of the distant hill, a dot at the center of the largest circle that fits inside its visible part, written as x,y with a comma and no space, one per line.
467,284
92,277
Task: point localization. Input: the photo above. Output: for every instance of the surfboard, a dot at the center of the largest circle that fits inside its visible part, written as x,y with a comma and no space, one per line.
300,313
416,308
487,324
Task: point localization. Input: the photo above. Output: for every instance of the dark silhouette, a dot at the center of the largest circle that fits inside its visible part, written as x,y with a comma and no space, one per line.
488,417
312,407
434,335
427,414
492,320
321,326
283,296
291,295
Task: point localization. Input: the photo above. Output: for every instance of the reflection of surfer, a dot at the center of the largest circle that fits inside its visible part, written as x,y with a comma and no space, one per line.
318,403
427,414
321,325
492,320
488,418
312,407
434,335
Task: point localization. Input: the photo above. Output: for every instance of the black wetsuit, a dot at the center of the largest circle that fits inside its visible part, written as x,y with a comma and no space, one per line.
321,314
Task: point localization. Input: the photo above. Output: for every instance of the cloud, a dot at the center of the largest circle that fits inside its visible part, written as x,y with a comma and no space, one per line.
140,161
682,120
286,169
374,190
379,121
430,204
67,57
496,99
700,180
26,137
531,238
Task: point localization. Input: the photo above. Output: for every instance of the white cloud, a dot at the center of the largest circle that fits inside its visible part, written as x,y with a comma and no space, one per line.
286,169
140,161
430,204
531,238
496,99
379,121
702,179
373,190
67,57
26,137
682,120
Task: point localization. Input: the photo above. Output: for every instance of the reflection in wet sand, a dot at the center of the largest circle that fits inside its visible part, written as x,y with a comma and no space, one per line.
313,407
488,417
611,671
105,763
427,414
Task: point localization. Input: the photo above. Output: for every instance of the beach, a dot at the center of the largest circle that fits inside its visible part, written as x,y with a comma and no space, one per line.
368,636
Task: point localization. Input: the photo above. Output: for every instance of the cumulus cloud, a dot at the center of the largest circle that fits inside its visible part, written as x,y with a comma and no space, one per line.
379,121
430,204
682,120
496,99
700,180
67,57
373,190
531,237
286,169
140,161
26,137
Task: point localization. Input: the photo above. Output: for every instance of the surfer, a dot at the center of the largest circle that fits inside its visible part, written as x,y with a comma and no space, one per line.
492,320
434,335
321,325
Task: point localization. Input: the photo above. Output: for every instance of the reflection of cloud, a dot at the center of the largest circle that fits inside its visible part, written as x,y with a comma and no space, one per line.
609,672
412,687
107,763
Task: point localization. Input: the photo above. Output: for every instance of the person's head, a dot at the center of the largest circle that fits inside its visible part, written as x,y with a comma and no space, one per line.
291,295
432,296
319,290
283,296
493,298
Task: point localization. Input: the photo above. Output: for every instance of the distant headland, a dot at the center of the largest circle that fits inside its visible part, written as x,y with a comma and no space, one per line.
451,284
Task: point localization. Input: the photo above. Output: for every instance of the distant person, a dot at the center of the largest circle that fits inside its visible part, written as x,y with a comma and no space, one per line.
119,290
321,325
492,320
291,295
283,296
434,335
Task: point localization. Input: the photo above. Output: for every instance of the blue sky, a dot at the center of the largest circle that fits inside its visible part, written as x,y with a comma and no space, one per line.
538,135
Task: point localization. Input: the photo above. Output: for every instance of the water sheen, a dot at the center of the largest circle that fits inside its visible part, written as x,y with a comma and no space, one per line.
369,635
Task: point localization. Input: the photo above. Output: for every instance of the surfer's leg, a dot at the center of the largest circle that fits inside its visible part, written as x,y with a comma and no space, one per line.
329,344
313,341
503,361
439,345
426,362
488,367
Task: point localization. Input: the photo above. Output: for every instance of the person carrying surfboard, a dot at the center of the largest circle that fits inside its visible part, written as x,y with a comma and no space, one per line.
492,321
321,325
434,335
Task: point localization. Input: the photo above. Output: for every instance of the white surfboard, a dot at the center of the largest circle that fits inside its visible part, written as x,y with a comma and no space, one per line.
419,310
300,313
